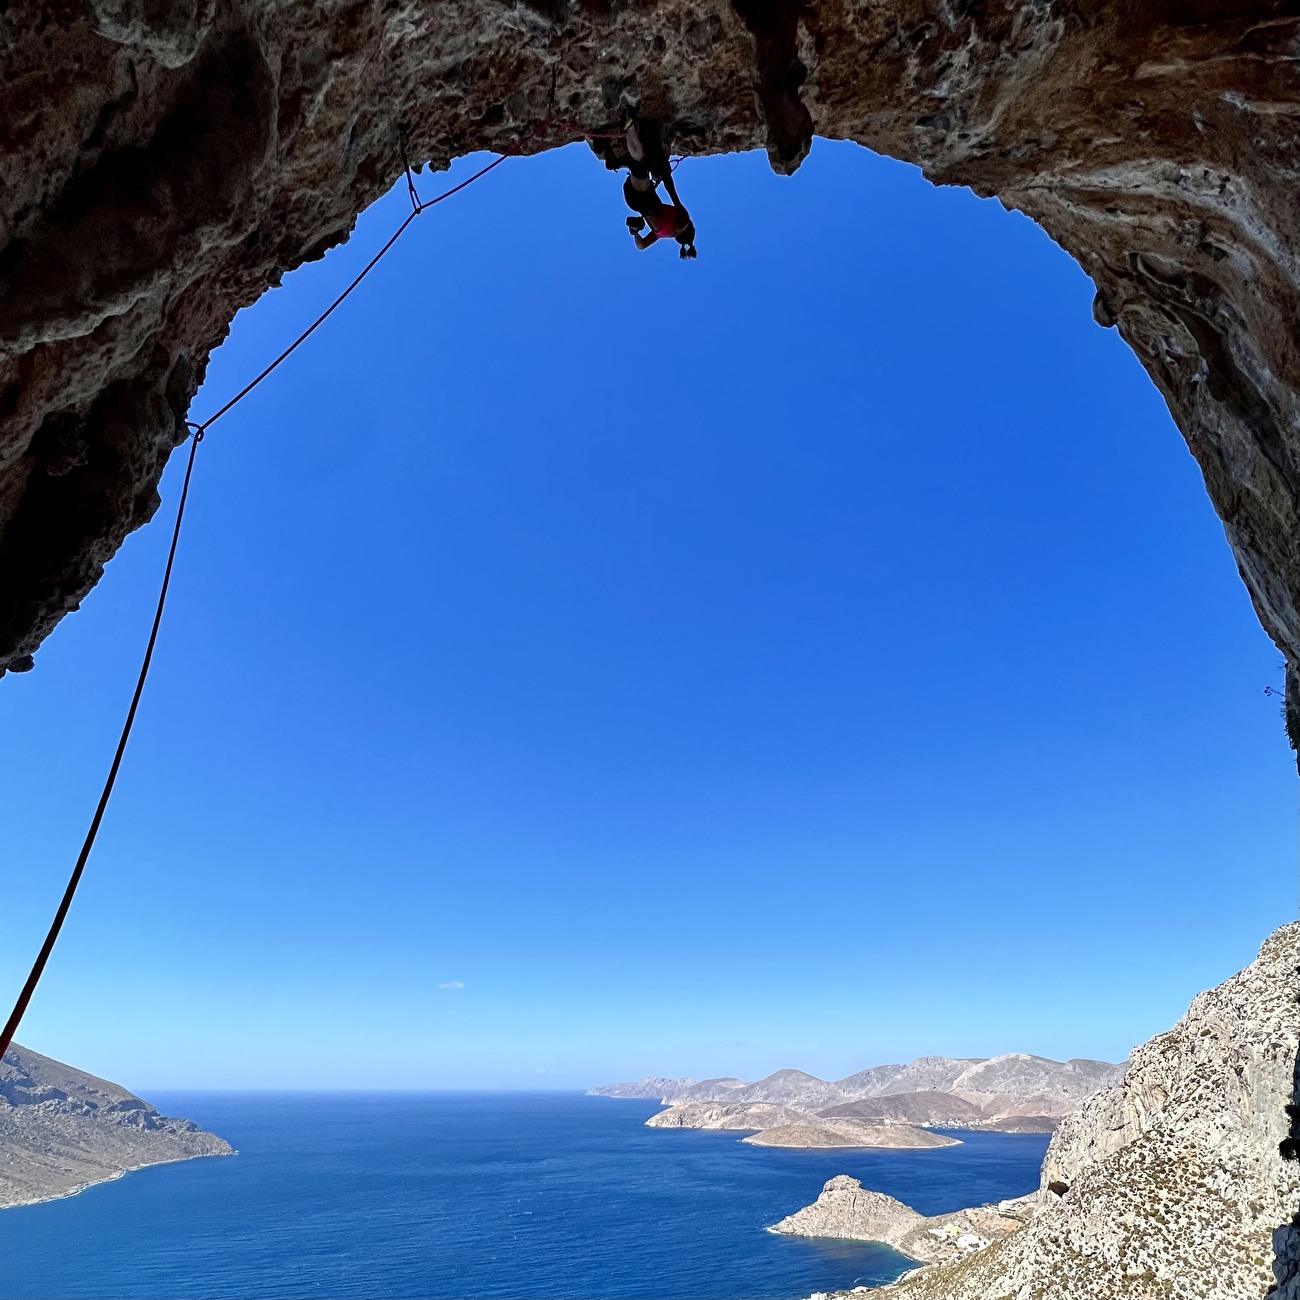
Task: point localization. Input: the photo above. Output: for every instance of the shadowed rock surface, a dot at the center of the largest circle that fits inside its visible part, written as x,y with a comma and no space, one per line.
62,1130
165,163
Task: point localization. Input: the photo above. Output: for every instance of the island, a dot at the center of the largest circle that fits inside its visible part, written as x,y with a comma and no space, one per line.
771,1125
847,1211
889,1106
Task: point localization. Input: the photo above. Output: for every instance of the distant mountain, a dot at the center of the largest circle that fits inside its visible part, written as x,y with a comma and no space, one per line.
1017,1084
784,1088
705,1090
935,1109
1014,1090
62,1130
652,1089
925,1074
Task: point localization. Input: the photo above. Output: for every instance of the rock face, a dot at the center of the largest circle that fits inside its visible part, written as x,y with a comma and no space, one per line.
1182,1182
62,1130
1015,1090
847,1211
165,163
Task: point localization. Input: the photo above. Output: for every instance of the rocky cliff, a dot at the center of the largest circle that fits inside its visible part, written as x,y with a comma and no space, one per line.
165,162
1180,1183
62,1130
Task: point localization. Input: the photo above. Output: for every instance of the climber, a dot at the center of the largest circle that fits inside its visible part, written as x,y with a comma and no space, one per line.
642,152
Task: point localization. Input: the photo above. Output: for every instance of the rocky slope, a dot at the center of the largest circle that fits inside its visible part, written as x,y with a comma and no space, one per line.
165,163
934,1090
1179,1183
940,1109
811,1133
62,1130
848,1211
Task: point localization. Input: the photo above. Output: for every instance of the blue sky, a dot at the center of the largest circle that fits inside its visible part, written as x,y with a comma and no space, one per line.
819,654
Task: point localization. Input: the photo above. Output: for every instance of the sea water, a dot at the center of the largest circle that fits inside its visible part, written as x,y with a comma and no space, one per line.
476,1195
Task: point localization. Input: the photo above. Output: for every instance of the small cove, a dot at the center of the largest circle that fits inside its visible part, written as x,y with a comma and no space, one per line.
478,1195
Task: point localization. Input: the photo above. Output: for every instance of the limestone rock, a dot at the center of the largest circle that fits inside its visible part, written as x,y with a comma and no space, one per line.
1181,1182
62,1130
847,1210
165,163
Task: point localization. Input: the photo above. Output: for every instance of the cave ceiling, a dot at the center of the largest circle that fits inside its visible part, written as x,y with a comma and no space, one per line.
164,163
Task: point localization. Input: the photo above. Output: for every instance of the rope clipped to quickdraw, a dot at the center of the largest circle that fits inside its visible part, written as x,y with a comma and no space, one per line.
403,141
197,433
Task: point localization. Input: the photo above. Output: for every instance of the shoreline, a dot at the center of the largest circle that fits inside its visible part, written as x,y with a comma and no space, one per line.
111,1178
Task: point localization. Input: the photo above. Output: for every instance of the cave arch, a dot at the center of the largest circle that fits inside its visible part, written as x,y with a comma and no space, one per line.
165,164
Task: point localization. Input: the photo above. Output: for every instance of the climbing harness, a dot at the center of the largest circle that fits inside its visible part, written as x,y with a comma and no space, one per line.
197,432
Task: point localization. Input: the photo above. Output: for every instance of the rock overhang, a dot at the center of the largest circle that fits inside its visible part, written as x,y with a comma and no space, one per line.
166,163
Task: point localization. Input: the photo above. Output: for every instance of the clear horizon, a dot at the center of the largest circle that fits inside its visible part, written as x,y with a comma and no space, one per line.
583,666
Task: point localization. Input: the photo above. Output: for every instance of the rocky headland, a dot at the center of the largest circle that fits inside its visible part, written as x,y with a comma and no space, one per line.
1180,1182
848,1211
885,1106
62,1130
816,1133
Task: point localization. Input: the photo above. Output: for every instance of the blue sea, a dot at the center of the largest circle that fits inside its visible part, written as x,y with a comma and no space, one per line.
475,1195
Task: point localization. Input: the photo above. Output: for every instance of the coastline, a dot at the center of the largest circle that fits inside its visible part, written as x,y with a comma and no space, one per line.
111,1177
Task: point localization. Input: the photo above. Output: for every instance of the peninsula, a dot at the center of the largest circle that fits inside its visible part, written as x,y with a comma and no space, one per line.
62,1130
885,1106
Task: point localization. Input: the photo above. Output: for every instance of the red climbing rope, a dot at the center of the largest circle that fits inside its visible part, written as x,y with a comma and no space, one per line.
197,433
